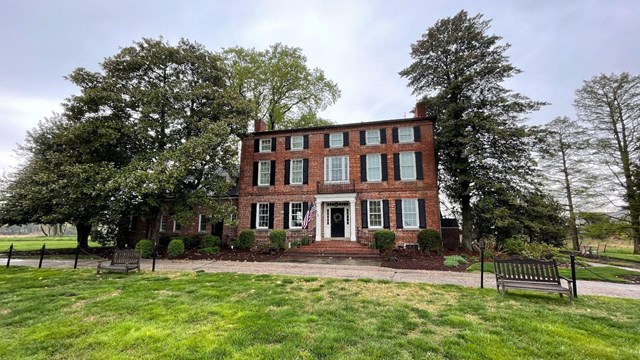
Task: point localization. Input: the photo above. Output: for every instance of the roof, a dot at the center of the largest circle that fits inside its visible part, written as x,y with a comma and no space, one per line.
449,223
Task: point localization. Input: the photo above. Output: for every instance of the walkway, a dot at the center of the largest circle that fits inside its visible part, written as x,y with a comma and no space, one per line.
343,271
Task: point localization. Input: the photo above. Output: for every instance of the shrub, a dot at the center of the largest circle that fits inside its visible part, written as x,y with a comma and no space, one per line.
514,246
192,242
430,240
145,247
305,240
296,244
209,241
246,239
492,248
210,250
278,238
175,248
454,260
384,240
540,251
264,247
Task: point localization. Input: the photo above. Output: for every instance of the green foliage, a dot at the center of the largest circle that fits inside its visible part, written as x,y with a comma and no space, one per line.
265,247
384,240
246,239
599,226
454,260
492,247
514,246
296,244
210,250
304,241
278,239
175,248
209,241
192,242
429,239
145,247
540,251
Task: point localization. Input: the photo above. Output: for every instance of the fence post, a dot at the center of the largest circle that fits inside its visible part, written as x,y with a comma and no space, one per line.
41,257
10,252
573,275
75,262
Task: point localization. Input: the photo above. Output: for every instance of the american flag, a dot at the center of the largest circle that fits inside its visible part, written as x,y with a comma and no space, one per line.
308,216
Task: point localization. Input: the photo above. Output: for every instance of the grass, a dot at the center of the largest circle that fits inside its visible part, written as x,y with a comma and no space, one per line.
610,273
23,243
63,314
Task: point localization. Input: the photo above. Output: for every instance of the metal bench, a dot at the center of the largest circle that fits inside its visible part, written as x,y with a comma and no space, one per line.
123,261
534,275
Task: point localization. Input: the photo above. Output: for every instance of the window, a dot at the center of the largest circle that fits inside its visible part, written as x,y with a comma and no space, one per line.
374,172
264,173
263,216
407,166
336,169
336,140
295,215
375,213
296,171
202,223
265,145
233,217
176,226
373,137
297,142
405,134
163,226
410,213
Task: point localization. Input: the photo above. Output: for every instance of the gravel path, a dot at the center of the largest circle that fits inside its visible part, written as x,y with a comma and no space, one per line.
344,271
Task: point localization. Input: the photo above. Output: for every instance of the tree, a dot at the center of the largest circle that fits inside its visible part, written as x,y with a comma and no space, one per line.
565,164
279,84
458,70
610,105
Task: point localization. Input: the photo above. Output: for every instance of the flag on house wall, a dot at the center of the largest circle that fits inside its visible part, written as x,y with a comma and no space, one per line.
309,215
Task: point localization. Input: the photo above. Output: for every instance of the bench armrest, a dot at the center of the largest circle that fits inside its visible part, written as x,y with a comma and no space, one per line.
103,261
569,281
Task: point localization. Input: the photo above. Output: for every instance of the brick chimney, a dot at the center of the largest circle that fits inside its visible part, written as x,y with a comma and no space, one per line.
421,110
259,125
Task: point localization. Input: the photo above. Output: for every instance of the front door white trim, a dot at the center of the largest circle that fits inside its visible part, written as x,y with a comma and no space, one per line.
322,227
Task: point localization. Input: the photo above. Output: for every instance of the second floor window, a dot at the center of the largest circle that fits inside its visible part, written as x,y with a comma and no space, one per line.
374,172
264,173
407,166
405,134
265,145
336,140
176,226
373,137
296,171
336,169
297,143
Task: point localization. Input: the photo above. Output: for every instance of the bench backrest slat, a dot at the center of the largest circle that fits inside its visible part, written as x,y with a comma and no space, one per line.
527,270
125,256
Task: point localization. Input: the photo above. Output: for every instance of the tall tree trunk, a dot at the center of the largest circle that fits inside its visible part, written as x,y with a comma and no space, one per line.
567,186
467,221
154,226
83,234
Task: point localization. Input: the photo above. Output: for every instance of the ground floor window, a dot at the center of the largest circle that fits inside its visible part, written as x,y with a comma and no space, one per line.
263,216
410,213
202,223
295,214
375,213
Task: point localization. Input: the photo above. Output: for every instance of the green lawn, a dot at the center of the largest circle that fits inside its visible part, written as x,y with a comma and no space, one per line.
21,243
622,255
63,314
610,273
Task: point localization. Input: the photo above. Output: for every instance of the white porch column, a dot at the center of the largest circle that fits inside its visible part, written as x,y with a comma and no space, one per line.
352,221
319,223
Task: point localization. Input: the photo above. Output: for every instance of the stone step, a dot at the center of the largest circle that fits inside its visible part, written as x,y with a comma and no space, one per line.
292,254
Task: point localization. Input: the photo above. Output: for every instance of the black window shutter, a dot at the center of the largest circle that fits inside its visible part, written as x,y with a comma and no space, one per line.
286,216
399,214
422,214
287,170
419,175
271,215
256,145
255,173
383,136
363,168
385,170
287,143
394,135
396,166
385,214
253,215
363,138
305,142
305,171
273,144
326,141
272,180
416,133
345,139
363,208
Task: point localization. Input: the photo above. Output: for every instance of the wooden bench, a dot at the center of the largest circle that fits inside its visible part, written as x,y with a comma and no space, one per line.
123,261
532,275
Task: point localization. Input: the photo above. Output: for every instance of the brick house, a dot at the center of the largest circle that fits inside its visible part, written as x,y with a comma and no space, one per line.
362,177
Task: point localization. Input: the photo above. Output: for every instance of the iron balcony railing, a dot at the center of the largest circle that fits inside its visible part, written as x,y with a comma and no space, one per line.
348,186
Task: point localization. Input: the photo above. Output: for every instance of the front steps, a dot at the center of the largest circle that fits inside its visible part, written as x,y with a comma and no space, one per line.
334,248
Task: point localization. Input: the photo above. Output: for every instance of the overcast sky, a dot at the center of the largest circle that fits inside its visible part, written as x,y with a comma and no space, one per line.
361,45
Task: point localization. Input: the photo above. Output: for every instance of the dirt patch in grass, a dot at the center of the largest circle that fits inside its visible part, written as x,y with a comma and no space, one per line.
417,260
634,279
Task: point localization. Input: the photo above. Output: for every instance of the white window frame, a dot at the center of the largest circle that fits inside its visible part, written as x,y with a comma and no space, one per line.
369,167
405,213
300,172
176,226
258,215
369,138
200,223
336,140
261,166
291,215
233,217
370,213
297,140
403,165
265,145
405,138
163,226
328,169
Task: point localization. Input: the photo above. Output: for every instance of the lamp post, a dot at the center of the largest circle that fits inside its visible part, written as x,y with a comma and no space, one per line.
482,244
